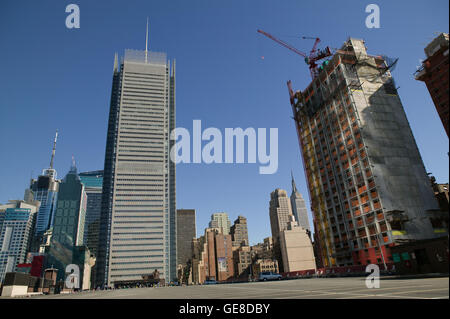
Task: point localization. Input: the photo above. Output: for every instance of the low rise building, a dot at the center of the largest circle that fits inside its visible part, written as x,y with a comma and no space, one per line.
265,265
242,258
296,248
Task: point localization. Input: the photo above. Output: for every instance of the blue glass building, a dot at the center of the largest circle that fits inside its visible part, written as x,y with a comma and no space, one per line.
16,225
45,190
93,182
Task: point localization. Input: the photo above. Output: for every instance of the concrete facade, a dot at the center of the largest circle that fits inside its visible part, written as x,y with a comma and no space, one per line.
213,257
296,248
264,265
280,211
239,232
242,258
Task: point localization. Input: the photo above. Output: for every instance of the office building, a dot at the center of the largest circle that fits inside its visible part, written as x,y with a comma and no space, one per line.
186,232
70,215
299,207
242,257
220,220
17,219
45,190
264,265
368,186
239,232
138,217
213,257
434,72
296,248
93,182
67,245
280,211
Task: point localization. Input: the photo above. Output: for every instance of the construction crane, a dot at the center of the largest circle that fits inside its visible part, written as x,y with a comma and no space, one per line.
311,59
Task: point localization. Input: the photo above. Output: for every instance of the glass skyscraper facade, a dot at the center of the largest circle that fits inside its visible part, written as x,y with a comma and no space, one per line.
69,223
92,182
16,225
45,190
138,217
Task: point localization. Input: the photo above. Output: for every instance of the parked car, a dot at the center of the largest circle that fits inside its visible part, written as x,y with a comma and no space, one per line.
267,275
210,282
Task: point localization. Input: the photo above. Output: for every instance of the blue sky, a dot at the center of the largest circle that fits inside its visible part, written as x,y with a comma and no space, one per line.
56,78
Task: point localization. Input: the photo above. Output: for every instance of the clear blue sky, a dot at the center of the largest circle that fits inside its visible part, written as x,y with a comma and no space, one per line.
53,77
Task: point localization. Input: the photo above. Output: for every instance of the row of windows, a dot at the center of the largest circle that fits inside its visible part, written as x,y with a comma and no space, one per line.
136,216
136,250
141,256
145,102
127,245
146,88
138,227
134,239
149,111
124,143
157,106
129,269
158,214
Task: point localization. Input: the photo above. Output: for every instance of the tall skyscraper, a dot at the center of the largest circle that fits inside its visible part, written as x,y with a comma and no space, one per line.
299,207
186,232
93,182
70,215
17,219
239,232
220,220
434,72
67,239
368,186
138,218
45,190
280,212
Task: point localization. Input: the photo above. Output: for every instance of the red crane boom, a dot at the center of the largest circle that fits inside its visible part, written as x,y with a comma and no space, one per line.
288,46
314,55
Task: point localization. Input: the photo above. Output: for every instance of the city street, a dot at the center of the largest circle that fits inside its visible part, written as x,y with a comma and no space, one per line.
317,288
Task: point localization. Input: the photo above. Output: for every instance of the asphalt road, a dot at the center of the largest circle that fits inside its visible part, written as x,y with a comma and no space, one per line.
316,288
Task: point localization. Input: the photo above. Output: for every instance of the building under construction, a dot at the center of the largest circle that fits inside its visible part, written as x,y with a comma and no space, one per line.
368,186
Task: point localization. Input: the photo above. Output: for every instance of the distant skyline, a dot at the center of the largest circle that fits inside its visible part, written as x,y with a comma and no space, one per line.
228,75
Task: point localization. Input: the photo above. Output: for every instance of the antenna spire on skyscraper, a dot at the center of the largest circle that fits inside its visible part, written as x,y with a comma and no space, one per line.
294,187
146,42
116,63
73,168
54,150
